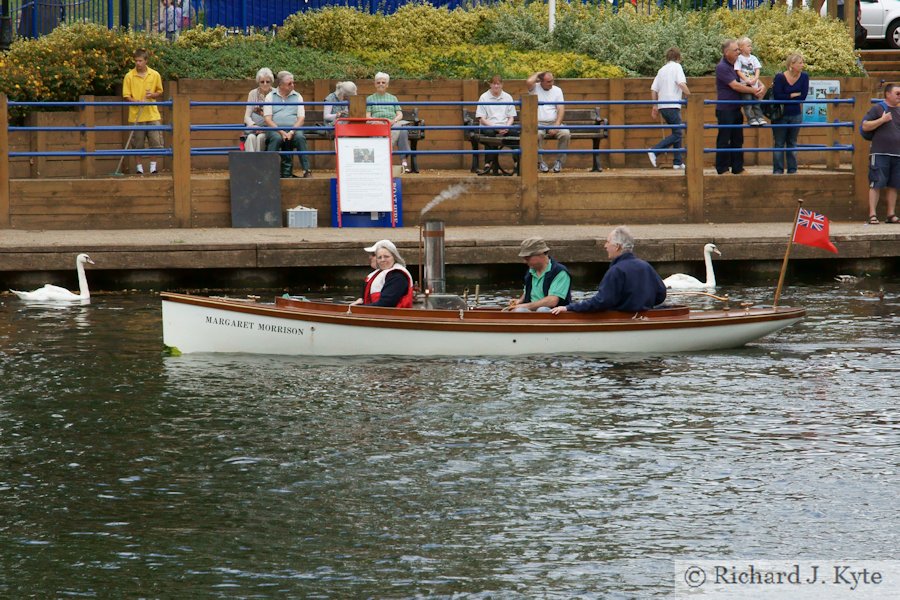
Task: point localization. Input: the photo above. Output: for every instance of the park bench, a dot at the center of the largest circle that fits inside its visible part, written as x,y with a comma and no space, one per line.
316,118
595,131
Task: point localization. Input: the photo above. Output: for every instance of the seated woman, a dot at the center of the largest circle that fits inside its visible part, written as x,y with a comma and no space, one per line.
389,109
342,92
253,115
390,284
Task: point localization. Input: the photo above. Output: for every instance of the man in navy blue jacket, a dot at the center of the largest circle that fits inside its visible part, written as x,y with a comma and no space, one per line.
630,284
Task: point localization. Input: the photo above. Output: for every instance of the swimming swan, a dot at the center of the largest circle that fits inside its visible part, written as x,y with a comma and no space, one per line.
680,281
54,293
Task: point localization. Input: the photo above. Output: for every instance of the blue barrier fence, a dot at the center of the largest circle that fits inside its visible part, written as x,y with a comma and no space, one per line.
237,128
33,18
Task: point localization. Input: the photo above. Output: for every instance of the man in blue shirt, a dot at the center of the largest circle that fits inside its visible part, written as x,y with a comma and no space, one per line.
547,283
630,284
729,87
284,108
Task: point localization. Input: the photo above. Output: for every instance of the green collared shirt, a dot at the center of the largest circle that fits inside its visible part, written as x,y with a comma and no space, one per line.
559,287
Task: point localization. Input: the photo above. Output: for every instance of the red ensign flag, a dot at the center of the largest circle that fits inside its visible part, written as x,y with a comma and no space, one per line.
812,230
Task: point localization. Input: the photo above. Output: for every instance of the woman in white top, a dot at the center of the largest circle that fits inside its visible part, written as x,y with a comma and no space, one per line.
253,114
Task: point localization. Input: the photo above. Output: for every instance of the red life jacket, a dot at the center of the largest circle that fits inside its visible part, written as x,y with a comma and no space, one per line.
375,284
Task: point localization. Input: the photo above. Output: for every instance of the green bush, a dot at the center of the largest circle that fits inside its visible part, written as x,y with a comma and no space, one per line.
468,61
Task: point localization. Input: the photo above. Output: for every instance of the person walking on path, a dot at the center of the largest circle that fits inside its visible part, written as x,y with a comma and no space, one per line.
142,85
669,87
884,157
730,137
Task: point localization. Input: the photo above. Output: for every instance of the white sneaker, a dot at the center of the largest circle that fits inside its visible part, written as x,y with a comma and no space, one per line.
652,158
681,166
152,168
139,169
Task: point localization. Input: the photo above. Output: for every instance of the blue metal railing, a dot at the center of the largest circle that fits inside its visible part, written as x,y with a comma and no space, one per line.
514,151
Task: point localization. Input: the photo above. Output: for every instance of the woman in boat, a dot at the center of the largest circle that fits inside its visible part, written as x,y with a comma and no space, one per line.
390,284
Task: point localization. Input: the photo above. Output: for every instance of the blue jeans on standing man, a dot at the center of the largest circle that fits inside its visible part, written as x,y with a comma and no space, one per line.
672,116
785,137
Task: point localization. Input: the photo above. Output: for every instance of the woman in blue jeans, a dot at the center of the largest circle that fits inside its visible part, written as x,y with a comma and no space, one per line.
793,84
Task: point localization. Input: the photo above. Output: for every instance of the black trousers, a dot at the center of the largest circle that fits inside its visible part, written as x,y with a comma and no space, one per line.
730,138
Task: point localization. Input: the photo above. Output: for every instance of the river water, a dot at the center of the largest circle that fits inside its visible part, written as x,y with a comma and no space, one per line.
130,474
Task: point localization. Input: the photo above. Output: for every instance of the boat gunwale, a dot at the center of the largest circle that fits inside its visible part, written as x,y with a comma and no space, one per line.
450,320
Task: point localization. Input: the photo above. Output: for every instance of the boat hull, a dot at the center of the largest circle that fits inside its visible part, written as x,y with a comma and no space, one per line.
194,324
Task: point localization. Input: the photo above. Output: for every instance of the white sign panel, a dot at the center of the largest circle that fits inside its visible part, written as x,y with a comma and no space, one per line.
364,174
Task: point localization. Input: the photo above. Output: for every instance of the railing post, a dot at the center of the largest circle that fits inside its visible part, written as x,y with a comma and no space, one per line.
470,93
5,220
321,88
88,137
357,107
694,158
617,117
37,143
528,159
861,152
181,159
850,17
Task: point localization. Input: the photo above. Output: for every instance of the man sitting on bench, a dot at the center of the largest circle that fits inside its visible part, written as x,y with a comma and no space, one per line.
496,116
551,112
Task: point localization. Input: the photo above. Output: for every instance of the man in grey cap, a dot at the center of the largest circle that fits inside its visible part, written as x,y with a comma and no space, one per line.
547,282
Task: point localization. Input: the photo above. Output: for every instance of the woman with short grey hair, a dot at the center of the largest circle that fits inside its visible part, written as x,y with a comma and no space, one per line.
341,94
383,105
253,113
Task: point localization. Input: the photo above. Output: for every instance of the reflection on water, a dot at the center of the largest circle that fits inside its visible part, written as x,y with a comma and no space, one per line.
130,474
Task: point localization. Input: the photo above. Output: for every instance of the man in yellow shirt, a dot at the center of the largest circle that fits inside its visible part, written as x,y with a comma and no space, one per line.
142,86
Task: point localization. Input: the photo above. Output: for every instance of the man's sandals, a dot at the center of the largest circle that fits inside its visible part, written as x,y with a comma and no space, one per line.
893,219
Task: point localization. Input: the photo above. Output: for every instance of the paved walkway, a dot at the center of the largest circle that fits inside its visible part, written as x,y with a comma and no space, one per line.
324,247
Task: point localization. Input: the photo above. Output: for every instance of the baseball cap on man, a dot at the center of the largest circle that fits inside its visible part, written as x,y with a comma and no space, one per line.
532,247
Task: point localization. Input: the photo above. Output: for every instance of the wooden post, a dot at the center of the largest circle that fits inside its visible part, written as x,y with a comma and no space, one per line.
38,143
617,117
832,9
861,149
850,17
694,158
181,160
470,93
528,160
5,220
89,137
357,107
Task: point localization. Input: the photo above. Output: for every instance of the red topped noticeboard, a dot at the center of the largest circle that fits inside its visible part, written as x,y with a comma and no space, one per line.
363,158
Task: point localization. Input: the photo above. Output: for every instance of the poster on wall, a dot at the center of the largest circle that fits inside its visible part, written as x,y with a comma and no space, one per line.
817,112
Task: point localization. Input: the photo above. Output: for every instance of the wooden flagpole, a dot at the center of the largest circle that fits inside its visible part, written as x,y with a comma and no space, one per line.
787,254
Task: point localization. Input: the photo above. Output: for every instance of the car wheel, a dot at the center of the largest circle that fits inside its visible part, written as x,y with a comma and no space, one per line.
893,35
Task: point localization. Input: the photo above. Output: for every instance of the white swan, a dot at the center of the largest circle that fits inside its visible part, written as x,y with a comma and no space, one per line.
680,281
54,293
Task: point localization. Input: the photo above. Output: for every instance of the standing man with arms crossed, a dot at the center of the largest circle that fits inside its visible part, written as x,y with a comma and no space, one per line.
669,86
884,156
729,87
497,116
284,108
630,284
142,85
550,115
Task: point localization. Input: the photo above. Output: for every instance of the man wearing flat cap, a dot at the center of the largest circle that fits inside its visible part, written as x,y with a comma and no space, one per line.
547,283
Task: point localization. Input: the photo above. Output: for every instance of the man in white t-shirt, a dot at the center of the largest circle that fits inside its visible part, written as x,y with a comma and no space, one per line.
496,115
669,87
551,112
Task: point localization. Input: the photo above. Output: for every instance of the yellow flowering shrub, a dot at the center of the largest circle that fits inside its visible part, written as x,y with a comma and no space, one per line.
825,44
72,60
337,28
467,61
213,38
